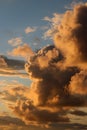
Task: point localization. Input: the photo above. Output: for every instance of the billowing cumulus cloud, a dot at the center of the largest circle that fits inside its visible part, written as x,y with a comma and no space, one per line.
58,73
78,84
23,51
30,29
52,98
70,37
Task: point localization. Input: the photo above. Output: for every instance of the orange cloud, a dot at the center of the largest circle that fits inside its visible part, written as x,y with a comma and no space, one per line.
70,37
78,84
50,90
58,73
23,51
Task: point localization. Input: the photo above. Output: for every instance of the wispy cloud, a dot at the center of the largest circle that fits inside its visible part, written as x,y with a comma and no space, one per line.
11,92
53,24
30,29
12,67
15,41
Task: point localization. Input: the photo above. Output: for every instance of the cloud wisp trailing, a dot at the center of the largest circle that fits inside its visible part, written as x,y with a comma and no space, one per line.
12,67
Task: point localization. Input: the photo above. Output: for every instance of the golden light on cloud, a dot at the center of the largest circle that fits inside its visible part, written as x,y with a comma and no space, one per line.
58,73
22,51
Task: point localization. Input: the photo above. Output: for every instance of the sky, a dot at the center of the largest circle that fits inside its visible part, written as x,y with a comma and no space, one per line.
43,64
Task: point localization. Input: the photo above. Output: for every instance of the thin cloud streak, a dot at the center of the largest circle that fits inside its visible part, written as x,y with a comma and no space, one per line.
12,67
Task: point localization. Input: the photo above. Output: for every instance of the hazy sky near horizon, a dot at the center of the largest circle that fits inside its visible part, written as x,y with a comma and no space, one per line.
43,59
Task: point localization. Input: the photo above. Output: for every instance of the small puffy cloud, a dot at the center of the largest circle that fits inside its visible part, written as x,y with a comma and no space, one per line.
30,29
78,84
15,41
22,51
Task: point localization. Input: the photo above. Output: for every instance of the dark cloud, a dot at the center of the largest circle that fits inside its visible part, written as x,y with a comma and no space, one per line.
80,32
36,116
79,113
16,64
7,120
12,67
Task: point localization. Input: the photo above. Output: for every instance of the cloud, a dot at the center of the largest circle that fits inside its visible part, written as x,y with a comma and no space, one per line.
79,113
78,84
30,29
70,37
12,67
22,51
7,120
60,126
58,73
13,91
53,23
51,96
33,115
15,41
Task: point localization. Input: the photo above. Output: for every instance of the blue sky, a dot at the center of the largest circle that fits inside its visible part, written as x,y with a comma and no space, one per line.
16,15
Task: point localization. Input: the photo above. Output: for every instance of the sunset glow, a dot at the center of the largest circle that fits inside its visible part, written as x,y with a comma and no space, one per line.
43,65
